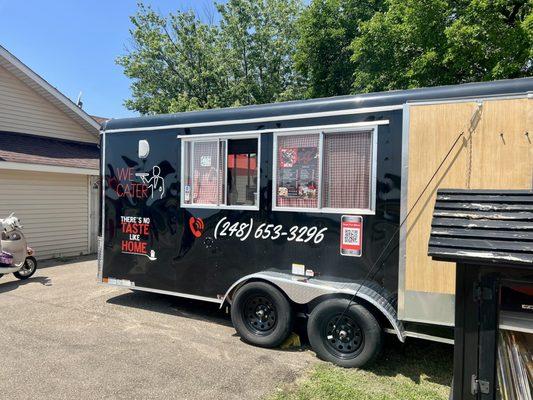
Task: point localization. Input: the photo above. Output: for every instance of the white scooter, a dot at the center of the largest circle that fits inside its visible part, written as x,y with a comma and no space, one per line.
15,256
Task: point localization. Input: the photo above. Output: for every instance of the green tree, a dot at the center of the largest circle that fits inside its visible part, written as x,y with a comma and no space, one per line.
260,38
418,43
175,64
402,47
270,50
491,39
178,63
326,30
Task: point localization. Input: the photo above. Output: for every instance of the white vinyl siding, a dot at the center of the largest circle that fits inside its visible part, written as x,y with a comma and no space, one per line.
53,208
23,110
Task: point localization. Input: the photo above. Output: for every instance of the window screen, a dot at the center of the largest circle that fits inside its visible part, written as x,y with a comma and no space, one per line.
298,171
204,181
325,170
220,172
347,170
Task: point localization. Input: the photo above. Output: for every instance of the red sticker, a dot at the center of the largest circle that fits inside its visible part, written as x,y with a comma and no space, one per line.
351,235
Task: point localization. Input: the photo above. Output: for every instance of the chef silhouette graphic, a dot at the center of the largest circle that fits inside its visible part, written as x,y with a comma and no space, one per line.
155,183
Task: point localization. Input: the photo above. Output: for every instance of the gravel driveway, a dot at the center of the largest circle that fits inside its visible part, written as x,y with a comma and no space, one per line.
65,337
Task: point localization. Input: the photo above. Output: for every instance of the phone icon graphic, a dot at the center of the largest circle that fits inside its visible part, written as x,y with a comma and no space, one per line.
197,226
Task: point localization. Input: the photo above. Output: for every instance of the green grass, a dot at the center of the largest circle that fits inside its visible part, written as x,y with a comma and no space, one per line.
417,370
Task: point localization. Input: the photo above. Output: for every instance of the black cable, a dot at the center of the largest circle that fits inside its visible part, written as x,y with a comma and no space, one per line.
368,275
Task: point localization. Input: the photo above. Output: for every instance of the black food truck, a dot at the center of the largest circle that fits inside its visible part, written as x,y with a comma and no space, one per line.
318,208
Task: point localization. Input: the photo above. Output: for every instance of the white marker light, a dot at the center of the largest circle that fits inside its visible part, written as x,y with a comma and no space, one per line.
144,148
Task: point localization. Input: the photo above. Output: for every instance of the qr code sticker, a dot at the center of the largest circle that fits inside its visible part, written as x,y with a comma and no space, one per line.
351,236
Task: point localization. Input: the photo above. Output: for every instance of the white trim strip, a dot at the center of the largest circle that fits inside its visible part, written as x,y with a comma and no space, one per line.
358,211
403,211
424,336
263,119
428,322
47,168
102,211
89,205
281,130
226,135
167,292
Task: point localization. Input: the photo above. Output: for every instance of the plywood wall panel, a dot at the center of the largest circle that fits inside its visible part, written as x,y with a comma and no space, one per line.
502,154
486,159
432,131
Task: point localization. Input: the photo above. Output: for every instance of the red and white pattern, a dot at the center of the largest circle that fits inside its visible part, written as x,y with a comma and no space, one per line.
206,176
294,141
347,168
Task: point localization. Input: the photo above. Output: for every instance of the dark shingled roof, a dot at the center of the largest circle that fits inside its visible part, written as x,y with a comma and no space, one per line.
488,226
31,149
100,120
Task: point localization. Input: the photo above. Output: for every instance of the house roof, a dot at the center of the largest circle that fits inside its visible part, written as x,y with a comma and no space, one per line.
41,86
483,226
31,149
98,119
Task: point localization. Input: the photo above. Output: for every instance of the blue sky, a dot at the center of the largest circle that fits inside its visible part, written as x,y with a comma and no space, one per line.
73,44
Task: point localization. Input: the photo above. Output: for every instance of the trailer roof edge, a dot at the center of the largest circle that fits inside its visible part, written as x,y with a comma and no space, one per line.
323,107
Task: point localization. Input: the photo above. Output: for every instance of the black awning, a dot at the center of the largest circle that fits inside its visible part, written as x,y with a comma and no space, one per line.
489,226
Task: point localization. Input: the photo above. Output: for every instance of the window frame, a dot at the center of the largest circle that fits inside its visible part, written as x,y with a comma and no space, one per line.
219,138
320,209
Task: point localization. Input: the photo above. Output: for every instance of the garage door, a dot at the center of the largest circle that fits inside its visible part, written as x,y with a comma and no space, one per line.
53,208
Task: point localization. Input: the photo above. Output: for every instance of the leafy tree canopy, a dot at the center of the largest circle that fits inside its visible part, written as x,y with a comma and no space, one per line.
179,63
326,29
418,43
265,51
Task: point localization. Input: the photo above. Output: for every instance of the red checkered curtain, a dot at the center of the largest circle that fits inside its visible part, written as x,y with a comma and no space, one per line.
347,168
297,171
208,178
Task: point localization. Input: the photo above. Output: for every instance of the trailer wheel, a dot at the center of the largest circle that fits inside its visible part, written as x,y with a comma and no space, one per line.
351,341
261,315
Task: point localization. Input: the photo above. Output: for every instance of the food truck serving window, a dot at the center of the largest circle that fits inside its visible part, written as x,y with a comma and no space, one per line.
329,171
220,172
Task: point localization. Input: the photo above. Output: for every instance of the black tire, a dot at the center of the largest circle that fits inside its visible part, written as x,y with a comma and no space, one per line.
261,315
30,266
357,339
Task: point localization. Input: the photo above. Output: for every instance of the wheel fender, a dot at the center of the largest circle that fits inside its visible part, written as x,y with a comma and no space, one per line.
303,290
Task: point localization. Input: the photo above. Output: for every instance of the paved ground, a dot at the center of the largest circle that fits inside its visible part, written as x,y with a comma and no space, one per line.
65,337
